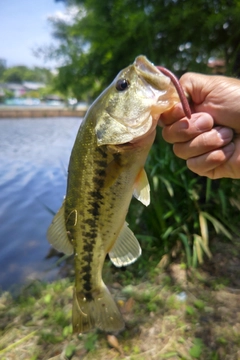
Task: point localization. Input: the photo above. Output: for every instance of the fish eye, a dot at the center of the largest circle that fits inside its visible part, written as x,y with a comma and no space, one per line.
122,84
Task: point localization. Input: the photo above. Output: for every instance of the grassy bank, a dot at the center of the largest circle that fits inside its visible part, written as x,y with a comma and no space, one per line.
169,314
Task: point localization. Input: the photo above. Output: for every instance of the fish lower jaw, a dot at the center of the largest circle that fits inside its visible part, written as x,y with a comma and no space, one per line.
147,137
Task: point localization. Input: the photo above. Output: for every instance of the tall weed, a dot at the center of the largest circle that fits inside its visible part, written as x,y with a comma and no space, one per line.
185,209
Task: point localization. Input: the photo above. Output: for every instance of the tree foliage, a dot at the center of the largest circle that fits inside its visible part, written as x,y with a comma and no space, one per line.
105,36
2,67
18,74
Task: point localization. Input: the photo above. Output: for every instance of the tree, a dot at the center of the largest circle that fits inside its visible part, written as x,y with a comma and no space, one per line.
2,67
18,74
106,36
14,74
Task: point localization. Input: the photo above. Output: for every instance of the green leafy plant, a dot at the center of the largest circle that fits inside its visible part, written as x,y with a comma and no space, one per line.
196,349
90,341
185,211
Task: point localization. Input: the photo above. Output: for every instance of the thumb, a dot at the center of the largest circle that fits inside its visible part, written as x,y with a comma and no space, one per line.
196,86
215,95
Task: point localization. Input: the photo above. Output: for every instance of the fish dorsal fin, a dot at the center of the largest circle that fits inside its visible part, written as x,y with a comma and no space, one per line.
126,249
141,188
57,233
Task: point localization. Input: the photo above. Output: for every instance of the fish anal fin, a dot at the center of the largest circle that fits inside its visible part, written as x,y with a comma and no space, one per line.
141,188
126,249
100,311
57,233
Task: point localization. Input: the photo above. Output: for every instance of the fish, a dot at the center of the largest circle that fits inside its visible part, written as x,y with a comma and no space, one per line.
106,168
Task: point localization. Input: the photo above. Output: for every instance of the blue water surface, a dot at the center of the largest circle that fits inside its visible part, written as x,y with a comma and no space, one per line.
34,155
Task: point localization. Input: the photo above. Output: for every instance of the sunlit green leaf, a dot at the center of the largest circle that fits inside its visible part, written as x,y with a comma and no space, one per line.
196,349
204,228
198,248
185,241
217,225
168,185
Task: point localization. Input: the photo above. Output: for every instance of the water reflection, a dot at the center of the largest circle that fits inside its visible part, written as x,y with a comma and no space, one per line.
34,155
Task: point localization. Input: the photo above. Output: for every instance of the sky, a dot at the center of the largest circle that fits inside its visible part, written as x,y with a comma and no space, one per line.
23,27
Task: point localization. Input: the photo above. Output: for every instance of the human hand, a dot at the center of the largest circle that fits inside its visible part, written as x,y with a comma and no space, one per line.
210,140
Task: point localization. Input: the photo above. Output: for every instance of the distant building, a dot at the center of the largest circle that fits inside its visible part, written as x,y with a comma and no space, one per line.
19,90
53,99
2,93
31,86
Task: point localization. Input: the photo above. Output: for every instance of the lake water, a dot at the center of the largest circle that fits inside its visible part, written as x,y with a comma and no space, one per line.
34,155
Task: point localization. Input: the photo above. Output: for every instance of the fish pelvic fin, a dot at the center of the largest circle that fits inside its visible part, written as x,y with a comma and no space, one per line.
100,311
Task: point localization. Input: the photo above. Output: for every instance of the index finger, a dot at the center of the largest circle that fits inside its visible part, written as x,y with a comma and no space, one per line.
171,116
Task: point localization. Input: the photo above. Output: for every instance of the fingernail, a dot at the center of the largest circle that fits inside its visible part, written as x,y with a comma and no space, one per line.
229,149
183,124
225,133
204,123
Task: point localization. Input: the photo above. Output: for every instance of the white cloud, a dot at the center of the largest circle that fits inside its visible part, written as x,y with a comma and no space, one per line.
68,15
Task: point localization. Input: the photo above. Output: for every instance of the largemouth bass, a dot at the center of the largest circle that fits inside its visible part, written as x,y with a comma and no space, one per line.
106,168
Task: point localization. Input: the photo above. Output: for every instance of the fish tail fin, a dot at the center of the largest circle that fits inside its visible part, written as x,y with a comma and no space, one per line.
98,311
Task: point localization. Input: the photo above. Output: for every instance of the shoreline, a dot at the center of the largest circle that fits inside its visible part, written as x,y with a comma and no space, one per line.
40,112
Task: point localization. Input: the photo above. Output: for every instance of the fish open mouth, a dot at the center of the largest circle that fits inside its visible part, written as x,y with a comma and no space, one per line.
160,78
145,65
151,74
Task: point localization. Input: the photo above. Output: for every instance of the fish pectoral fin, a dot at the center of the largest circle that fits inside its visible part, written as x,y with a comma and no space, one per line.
141,188
57,233
99,311
113,170
126,249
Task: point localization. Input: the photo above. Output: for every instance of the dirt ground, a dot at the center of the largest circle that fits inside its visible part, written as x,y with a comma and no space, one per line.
173,314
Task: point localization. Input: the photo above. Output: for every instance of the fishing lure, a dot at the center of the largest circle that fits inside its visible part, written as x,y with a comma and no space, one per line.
181,94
